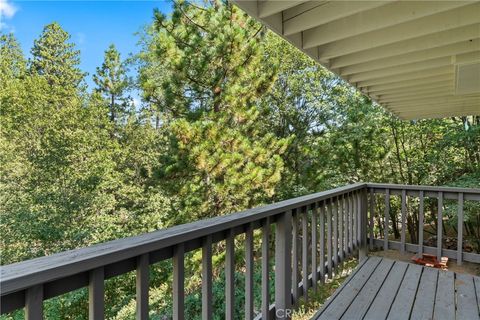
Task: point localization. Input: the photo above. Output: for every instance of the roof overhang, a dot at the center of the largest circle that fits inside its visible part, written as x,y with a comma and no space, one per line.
418,59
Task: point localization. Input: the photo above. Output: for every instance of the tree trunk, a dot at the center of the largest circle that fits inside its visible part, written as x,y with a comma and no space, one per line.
112,108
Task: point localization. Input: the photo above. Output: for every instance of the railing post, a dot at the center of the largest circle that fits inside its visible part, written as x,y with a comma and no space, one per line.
179,282
314,247
322,241
207,310
142,283
249,272
460,229
230,275
295,256
387,218
265,270
420,224
96,289
439,225
305,252
362,251
283,266
404,218
371,218
34,303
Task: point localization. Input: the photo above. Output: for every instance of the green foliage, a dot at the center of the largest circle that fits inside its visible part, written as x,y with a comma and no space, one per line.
233,117
54,58
222,164
213,57
112,81
12,62
51,175
213,76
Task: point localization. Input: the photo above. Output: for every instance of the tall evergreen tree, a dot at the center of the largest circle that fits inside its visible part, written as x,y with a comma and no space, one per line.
112,81
12,61
56,59
214,75
213,58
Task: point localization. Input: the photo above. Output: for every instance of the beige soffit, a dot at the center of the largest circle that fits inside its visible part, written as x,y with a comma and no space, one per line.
418,59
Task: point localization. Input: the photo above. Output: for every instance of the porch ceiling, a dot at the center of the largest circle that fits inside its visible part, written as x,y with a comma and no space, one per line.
418,59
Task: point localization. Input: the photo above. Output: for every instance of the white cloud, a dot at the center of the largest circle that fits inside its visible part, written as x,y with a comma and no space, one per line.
7,9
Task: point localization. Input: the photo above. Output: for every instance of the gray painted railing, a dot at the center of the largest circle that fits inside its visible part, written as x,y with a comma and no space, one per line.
313,235
419,193
27,284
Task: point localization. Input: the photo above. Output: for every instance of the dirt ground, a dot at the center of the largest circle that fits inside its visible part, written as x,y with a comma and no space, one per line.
466,267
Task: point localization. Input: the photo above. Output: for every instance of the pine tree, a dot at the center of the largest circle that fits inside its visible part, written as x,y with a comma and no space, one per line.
56,59
12,61
213,58
211,64
112,81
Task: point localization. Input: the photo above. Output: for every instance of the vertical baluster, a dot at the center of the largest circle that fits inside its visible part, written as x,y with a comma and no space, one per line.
440,225
387,218
265,270
350,226
207,309
372,216
420,224
230,275
96,288
362,218
178,282
283,271
305,252
460,230
295,248
34,303
142,283
354,221
335,233
314,247
404,217
249,273
322,242
340,227
359,217
345,229
329,238
362,215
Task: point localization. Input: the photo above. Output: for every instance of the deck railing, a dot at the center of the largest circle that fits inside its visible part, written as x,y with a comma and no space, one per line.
417,196
313,236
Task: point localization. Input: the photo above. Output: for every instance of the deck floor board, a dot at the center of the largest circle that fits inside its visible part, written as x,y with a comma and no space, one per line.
360,305
467,307
381,305
382,289
349,292
425,298
403,302
445,297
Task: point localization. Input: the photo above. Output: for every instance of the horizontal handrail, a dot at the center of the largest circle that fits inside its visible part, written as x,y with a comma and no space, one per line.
429,191
422,188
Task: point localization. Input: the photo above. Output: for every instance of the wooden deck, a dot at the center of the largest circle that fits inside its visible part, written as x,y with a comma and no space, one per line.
381,288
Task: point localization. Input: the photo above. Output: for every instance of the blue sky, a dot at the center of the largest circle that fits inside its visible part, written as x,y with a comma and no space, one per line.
93,25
